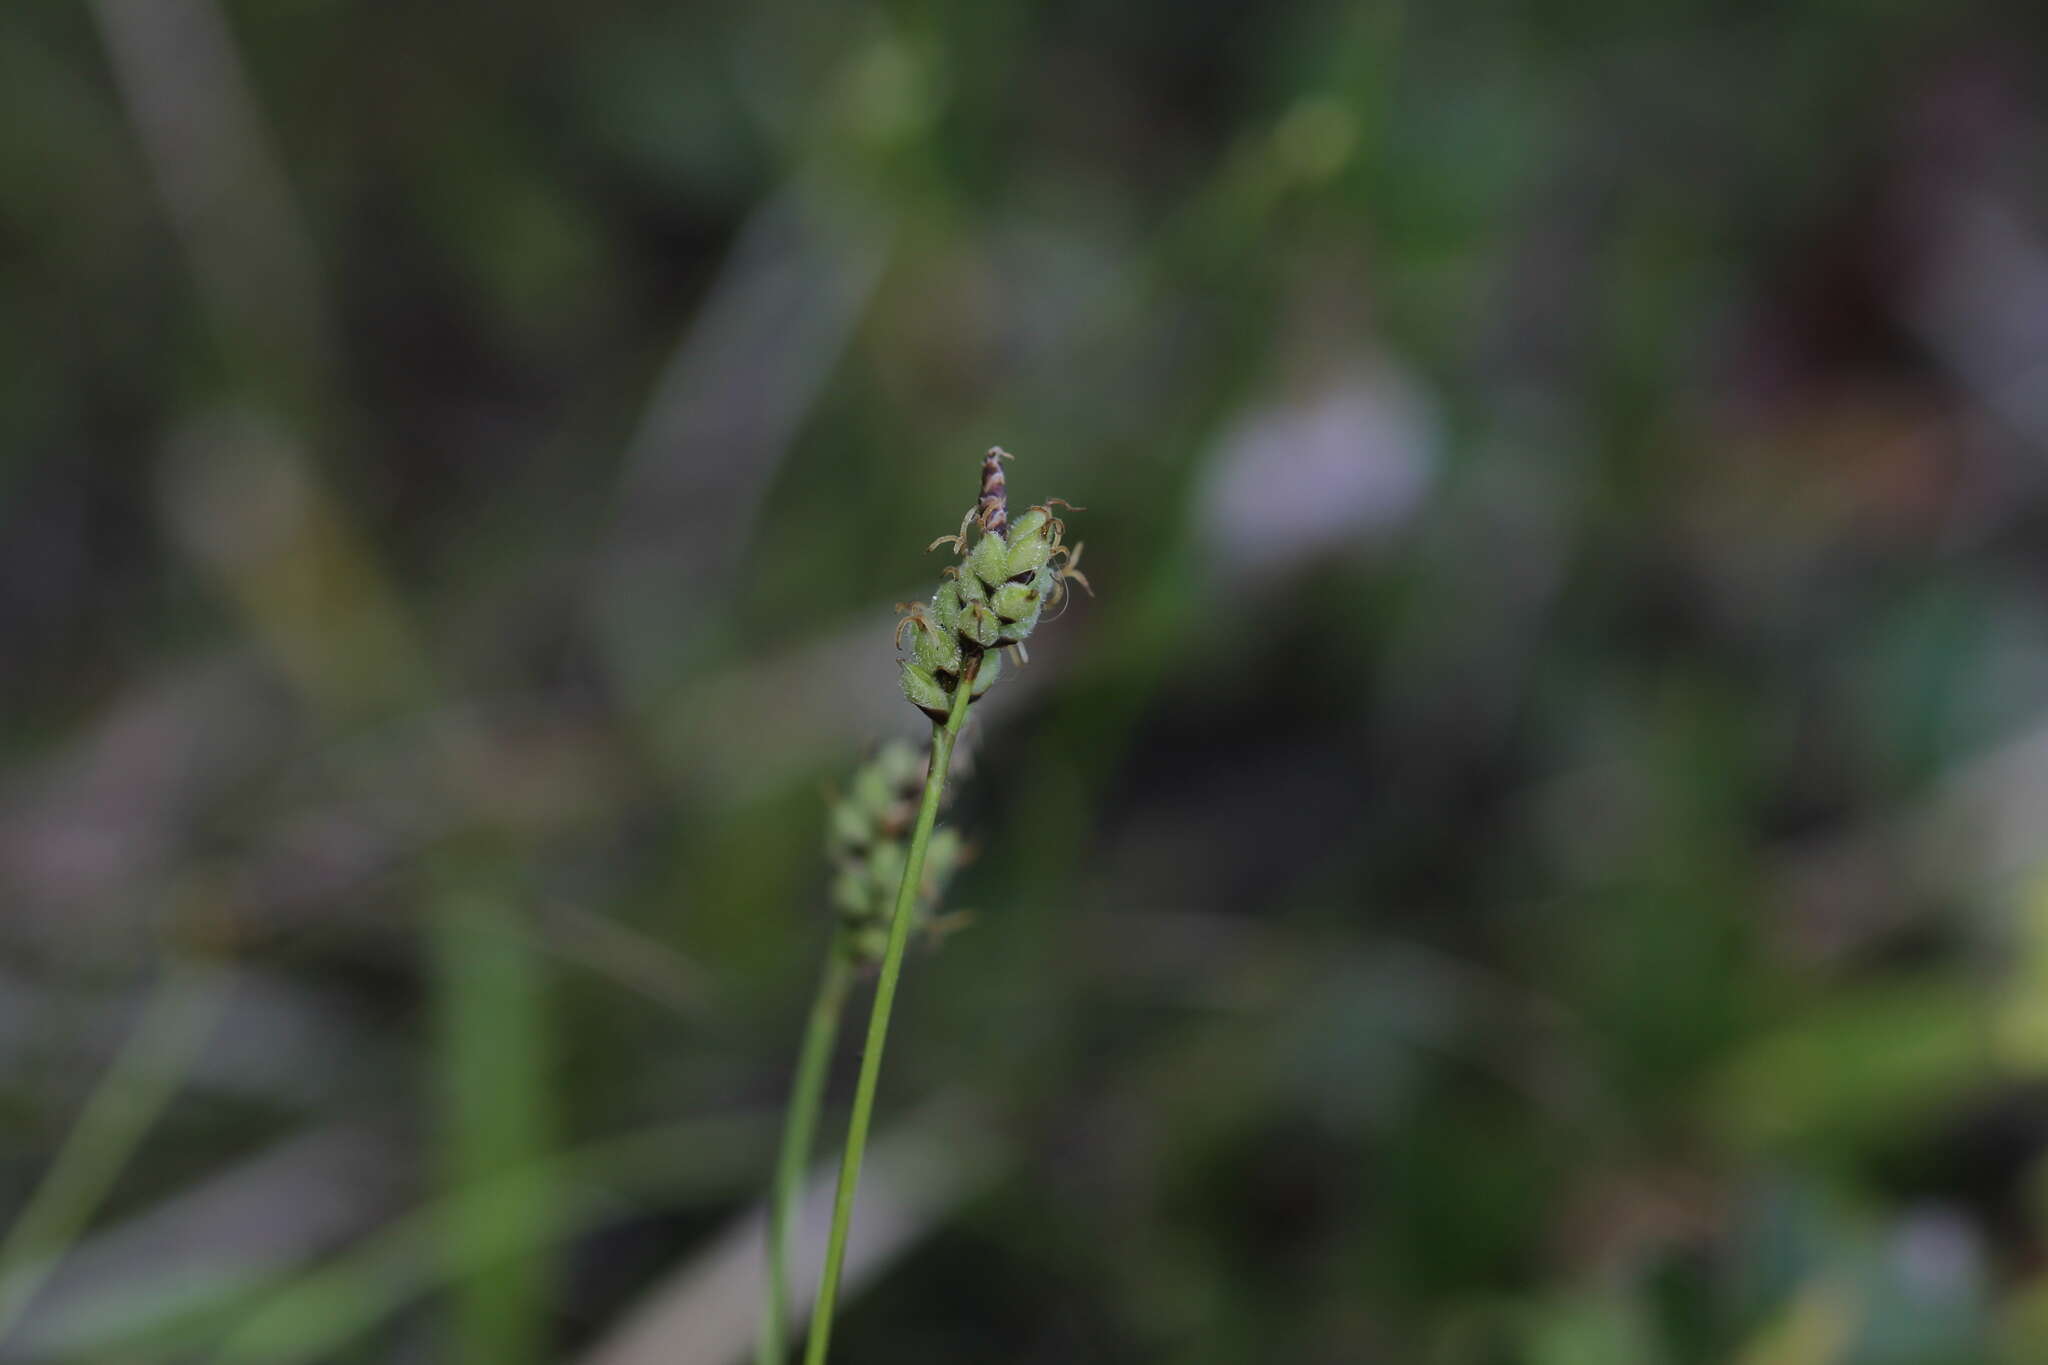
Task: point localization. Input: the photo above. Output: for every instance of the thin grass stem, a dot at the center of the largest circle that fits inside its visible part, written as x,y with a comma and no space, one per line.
799,1134
943,737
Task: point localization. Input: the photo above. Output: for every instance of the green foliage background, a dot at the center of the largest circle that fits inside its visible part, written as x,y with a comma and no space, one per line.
1534,855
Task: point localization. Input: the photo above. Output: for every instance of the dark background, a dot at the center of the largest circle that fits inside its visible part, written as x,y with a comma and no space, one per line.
1535,854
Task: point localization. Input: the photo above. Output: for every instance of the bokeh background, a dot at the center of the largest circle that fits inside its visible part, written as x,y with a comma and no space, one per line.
1534,855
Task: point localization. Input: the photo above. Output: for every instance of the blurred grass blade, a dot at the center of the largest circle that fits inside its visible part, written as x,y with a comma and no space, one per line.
493,1079
180,1272
128,1100
325,1312
721,419
194,109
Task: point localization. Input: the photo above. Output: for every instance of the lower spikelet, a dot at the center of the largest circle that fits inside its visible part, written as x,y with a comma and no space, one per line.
867,832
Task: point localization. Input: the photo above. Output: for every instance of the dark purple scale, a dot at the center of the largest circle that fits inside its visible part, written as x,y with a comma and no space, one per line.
993,511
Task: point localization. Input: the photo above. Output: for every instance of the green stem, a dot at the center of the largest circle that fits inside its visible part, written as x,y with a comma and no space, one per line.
878,1021
806,1096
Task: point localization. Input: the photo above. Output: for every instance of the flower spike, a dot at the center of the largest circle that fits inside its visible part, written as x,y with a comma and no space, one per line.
992,599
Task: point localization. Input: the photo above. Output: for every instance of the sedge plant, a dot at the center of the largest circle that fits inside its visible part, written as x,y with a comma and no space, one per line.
1009,573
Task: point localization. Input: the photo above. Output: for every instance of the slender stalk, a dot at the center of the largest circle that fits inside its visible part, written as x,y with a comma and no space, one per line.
800,1129
878,1021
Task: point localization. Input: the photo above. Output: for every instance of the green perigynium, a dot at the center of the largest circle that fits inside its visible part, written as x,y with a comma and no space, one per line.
1009,573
